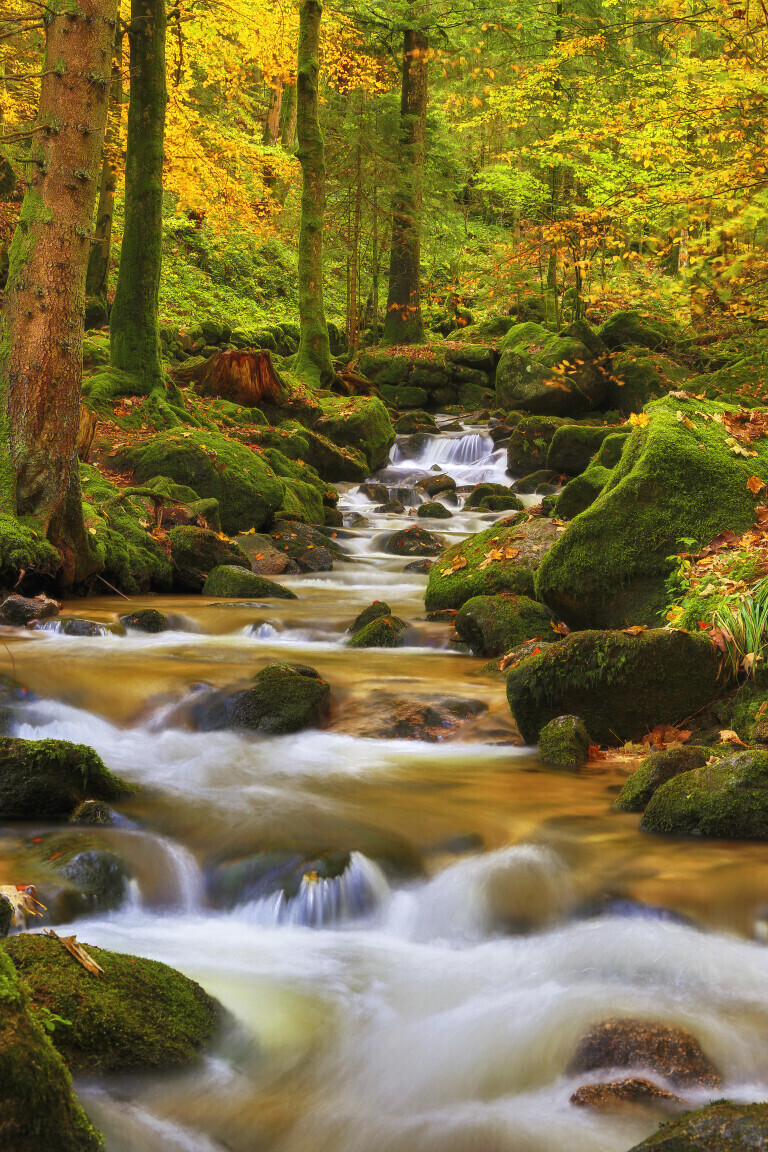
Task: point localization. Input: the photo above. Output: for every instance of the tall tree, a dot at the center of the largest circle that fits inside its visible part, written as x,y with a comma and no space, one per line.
41,329
134,331
98,263
403,323
314,356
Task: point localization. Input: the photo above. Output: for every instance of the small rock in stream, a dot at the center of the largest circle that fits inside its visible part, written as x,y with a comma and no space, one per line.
18,610
661,1048
148,620
618,1095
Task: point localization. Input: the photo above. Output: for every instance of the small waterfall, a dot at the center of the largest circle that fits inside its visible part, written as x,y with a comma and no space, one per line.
74,628
361,889
469,459
265,631
168,874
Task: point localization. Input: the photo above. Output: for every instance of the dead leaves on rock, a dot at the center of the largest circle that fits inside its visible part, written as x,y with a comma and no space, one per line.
665,734
77,950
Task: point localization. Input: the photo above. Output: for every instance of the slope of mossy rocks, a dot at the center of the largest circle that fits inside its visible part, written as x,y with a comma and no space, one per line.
632,326
564,742
621,685
432,375
582,491
139,1014
530,441
503,558
493,625
279,699
720,1127
330,461
47,779
24,548
673,483
640,375
548,375
242,481
38,1106
656,769
117,523
361,423
385,631
573,446
195,552
230,582
727,800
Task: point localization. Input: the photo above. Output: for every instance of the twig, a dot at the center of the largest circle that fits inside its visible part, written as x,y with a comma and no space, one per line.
117,590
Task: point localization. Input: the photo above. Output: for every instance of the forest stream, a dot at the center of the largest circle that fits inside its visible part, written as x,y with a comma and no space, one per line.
430,997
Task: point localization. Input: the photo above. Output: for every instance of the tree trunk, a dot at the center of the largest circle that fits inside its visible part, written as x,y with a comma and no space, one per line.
41,330
288,116
134,334
404,324
314,356
272,124
98,262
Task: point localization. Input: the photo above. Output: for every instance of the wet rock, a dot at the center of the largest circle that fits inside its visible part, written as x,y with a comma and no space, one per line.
434,485
18,610
421,567
307,546
100,877
140,1014
532,482
378,493
387,716
94,812
355,520
146,620
727,800
372,612
382,632
197,551
392,507
413,542
434,511
481,492
656,769
77,626
264,557
618,1095
48,779
282,698
40,1109
564,742
720,1127
411,446
620,685
492,625
663,1049
231,583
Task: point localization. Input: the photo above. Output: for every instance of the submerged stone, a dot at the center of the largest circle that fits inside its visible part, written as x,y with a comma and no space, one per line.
146,620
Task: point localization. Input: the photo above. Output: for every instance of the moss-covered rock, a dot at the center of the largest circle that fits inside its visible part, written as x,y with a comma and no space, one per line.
49,778
481,492
195,552
632,326
564,742
140,1014
548,375
720,1127
23,547
529,443
655,770
310,548
531,483
581,492
432,510
673,482
38,1105
231,582
372,612
381,632
640,376
727,800
404,396
622,686
574,445
493,625
500,559
360,422
331,461
281,698
413,542
146,620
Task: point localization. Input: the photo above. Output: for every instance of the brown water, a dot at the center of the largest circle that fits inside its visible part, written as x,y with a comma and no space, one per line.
504,919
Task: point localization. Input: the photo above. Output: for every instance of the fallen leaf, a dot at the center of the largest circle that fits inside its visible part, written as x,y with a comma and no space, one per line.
595,752
23,897
77,950
664,734
755,484
728,736
563,629
634,630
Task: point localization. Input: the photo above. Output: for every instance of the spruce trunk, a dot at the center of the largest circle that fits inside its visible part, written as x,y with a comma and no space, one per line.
314,356
134,330
41,330
403,323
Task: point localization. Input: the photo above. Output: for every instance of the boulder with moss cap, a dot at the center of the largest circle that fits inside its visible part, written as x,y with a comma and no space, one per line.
231,582
50,778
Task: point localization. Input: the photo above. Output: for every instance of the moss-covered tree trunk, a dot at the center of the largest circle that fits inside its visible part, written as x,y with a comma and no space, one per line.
403,323
134,332
98,262
314,356
41,330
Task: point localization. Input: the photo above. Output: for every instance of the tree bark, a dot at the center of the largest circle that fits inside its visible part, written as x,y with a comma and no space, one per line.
134,332
314,356
98,262
41,329
272,124
288,115
404,324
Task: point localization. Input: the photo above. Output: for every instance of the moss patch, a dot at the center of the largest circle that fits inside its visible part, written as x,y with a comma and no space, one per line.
233,583
22,546
564,742
49,778
655,770
381,632
493,625
720,1127
362,423
132,560
727,800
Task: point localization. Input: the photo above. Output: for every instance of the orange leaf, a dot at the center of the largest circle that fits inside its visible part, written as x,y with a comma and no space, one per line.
755,485
563,629
635,630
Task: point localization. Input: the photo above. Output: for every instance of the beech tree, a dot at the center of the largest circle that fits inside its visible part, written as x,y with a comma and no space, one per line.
41,327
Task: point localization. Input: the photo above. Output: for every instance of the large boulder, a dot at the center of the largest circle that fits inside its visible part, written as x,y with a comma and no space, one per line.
720,1127
361,423
331,461
678,478
639,376
582,491
631,326
139,1014
529,443
38,1106
548,375
48,779
621,685
230,582
656,769
573,446
281,698
500,559
727,800
493,625
195,552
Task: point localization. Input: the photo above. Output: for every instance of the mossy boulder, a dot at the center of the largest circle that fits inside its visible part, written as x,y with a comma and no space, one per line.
47,779
564,742
656,769
673,482
548,375
372,612
246,487
582,491
404,396
140,1014
621,685
500,559
281,698
573,446
531,483
381,632
117,528
639,376
310,548
720,1127
230,582
632,326
361,423
726,801
331,461
148,620
38,1106
413,542
433,510
481,492
183,506
493,625
196,552
529,443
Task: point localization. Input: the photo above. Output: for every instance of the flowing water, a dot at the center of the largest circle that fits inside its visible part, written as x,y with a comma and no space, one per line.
429,998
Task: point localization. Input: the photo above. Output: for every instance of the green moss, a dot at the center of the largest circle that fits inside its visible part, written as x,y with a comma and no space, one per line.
493,625
548,375
727,800
330,461
481,491
640,376
37,1101
22,546
672,482
195,552
530,442
118,524
452,582
230,582
582,491
381,632
655,770
284,698
49,778
360,422
372,612
432,509
564,742
720,1127
140,1014
574,445
632,326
